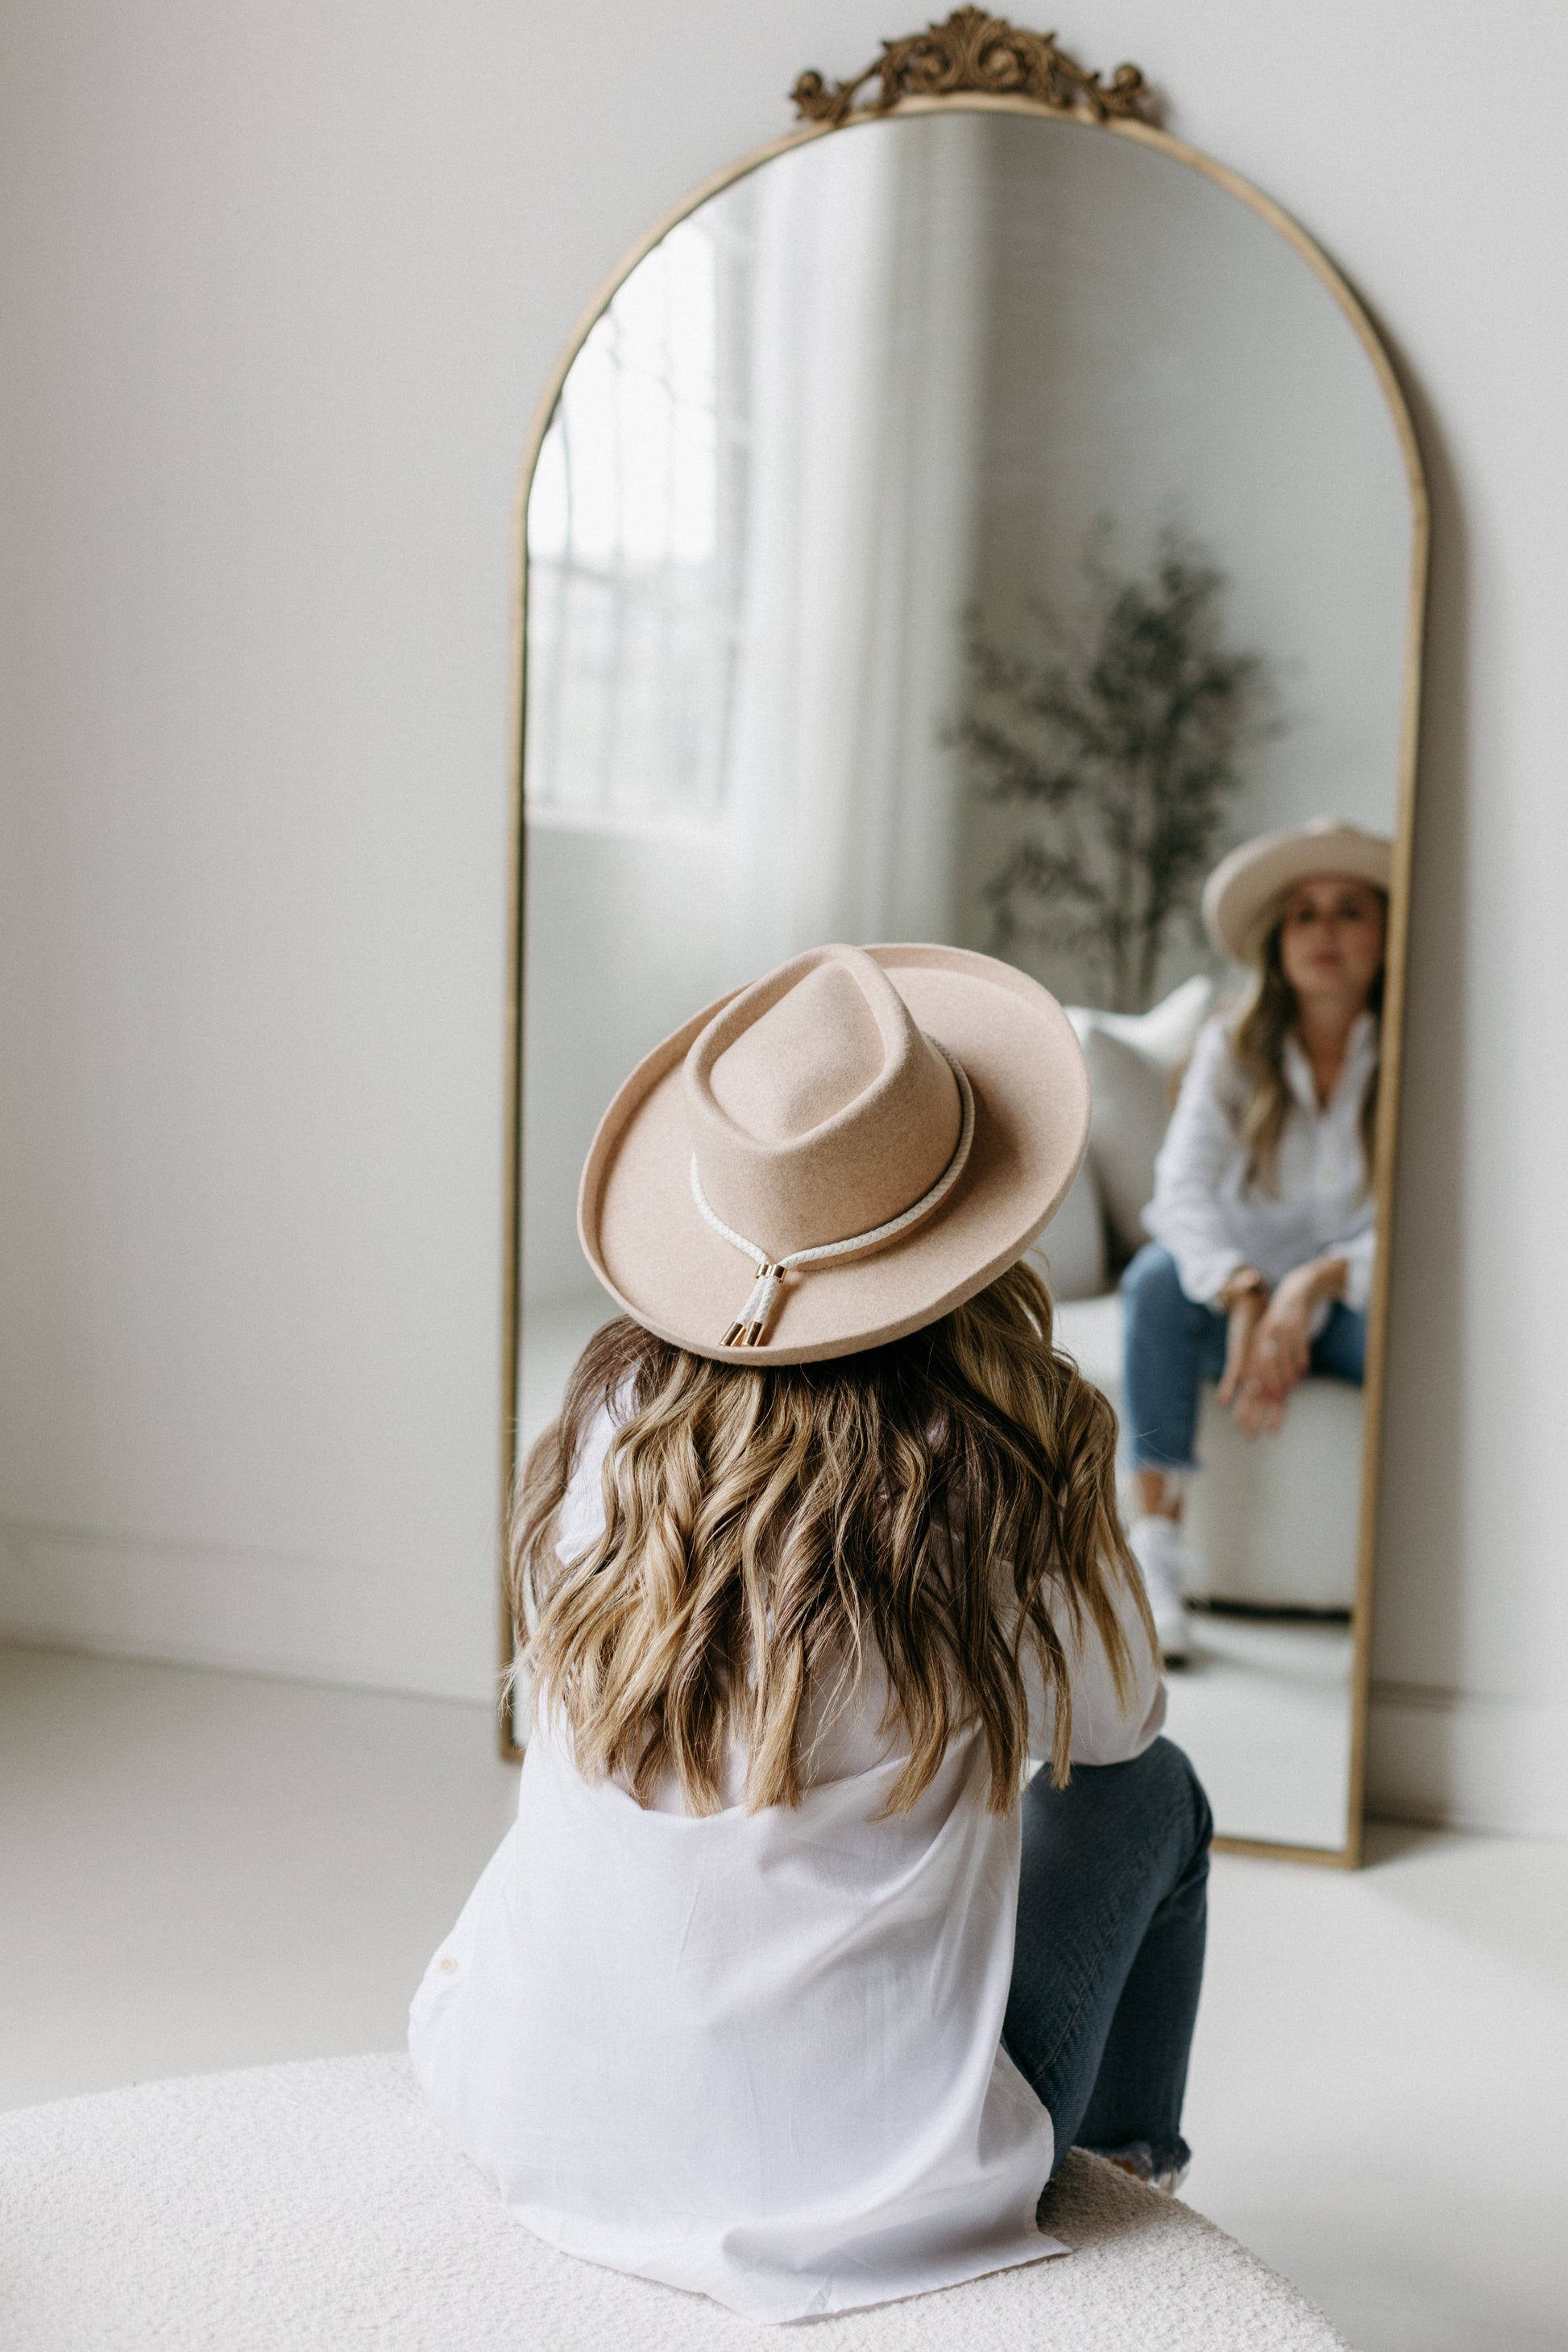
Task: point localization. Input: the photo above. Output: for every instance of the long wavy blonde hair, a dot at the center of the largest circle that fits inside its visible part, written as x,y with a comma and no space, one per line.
1266,1017
940,1502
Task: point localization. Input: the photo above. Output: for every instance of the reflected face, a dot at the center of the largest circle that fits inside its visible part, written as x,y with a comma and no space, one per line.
1331,938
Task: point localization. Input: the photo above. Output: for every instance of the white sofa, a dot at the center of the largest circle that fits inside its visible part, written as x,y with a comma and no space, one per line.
1272,1523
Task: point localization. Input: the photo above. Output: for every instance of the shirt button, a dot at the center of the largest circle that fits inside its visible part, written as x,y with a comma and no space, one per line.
448,1965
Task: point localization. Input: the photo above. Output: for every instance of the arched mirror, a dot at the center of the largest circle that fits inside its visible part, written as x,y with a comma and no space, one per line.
970,519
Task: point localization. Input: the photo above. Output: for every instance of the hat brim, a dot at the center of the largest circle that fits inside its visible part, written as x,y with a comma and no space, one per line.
644,1239
1244,887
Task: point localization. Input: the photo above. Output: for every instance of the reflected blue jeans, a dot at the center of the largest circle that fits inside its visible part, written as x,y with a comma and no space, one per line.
1109,1954
1172,1345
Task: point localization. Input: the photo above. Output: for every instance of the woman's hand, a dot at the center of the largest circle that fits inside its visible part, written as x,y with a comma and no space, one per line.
1278,1352
1245,1312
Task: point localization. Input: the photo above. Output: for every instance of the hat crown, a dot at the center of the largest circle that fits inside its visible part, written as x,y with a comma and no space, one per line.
806,1058
816,1108
1318,828
1244,887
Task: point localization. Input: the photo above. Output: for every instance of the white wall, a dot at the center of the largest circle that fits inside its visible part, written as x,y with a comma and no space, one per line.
629,933
1159,356
281,284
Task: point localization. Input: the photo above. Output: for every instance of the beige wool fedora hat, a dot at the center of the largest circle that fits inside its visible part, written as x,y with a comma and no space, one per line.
1243,888
835,1155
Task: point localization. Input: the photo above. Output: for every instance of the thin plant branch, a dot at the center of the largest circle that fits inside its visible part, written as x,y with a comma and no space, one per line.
1120,745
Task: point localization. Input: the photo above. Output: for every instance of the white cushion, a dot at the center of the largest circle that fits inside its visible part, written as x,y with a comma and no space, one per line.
1070,1253
319,2208
1129,1110
1167,1033
1134,1064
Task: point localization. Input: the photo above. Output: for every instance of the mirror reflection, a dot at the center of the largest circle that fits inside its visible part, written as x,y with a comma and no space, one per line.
983,527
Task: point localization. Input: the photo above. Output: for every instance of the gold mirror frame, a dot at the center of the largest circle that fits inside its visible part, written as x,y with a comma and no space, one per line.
980,63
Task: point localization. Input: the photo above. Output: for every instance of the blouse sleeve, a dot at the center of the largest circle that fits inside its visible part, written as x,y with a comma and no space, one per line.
1359,1253
1186,1212
1106,1728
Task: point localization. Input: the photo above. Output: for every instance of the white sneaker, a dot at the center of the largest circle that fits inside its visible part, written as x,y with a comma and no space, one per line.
1159,1550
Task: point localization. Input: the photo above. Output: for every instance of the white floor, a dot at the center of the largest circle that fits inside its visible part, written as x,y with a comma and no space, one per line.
1263,1708
204,1869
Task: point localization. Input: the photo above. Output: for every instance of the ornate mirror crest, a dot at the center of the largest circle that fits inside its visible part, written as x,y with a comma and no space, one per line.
975,51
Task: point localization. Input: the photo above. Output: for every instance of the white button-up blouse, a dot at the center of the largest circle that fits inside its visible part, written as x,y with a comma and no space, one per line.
758,2054
1214,1221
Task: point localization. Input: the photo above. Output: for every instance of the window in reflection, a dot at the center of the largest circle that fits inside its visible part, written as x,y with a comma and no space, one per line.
635,529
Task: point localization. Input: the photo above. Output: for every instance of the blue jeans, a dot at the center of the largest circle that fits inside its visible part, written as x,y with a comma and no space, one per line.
1172,1345
1109,1956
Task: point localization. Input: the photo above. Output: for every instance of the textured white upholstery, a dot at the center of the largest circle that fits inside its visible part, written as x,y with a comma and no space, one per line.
1276,1520
318,2208
1273,1521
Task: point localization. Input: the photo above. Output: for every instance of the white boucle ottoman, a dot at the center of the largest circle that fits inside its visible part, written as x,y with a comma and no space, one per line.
319,2207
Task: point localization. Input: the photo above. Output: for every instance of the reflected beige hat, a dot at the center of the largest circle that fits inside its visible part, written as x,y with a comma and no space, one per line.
836,1155
1243,886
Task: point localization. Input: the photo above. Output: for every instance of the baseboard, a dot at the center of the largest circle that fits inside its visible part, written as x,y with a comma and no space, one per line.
1442,1757
1464,1762
250,1612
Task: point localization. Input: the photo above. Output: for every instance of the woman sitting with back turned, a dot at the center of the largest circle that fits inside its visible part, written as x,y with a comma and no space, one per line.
783,1987
1262,1215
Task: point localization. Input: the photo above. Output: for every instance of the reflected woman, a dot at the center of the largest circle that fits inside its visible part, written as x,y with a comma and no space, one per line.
1263,1217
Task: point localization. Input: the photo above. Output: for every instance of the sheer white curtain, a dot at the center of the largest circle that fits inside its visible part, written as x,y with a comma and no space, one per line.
869,305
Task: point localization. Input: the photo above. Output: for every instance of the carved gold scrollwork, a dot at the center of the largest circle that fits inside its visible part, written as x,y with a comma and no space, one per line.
974,50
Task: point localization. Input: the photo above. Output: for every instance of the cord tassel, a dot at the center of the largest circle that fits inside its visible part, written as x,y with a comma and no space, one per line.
757,1312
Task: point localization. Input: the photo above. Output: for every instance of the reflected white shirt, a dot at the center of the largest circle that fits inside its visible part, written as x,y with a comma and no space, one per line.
1214,1222
759,2055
